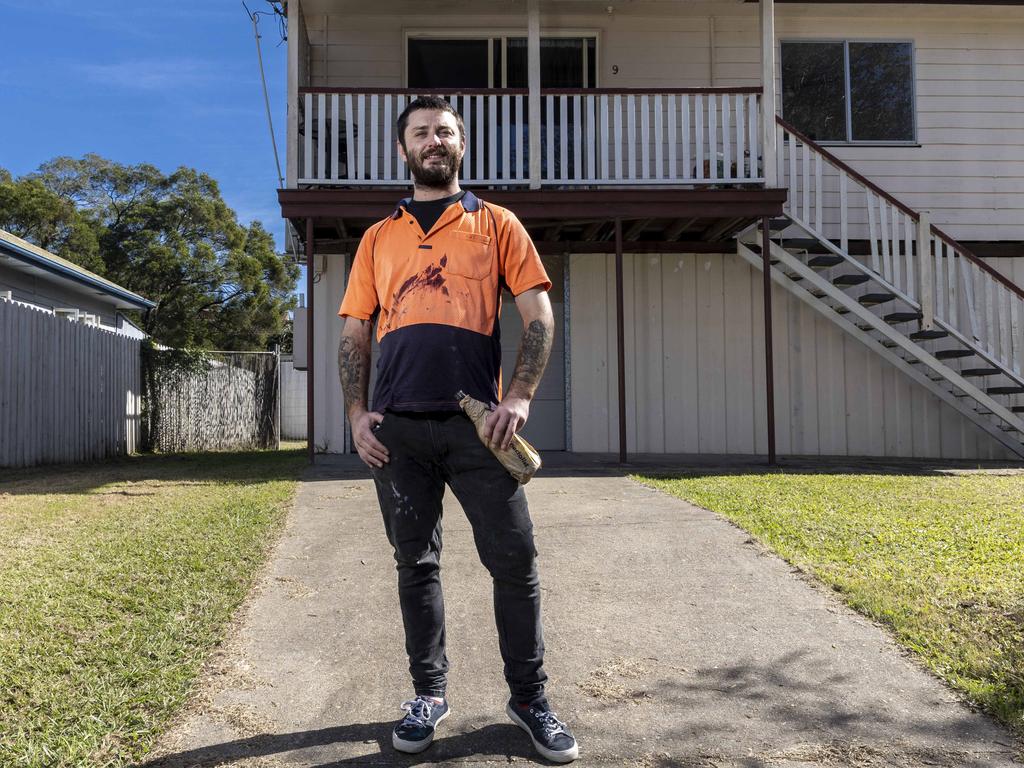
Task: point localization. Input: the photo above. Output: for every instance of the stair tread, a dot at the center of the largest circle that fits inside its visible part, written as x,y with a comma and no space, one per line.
825,260
948,354
968,372
902,317
1013,390
876,298
851,278
928,335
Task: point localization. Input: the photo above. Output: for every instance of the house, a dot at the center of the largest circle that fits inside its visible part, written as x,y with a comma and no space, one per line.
772,226
34,276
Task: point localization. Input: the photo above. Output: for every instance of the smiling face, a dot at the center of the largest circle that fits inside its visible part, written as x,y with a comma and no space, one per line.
433,147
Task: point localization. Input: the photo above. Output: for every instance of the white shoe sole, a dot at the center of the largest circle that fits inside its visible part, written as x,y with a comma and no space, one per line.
414,747
563,756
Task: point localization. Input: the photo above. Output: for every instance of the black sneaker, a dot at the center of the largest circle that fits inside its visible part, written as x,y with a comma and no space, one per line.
416,730
550,736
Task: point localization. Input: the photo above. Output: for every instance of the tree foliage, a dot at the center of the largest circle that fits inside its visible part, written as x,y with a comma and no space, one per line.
169,237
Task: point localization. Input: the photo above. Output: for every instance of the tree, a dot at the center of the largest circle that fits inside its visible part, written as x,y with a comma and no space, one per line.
33,212
168,237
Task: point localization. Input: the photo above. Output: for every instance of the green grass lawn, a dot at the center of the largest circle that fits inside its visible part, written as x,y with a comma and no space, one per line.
937,558
116,580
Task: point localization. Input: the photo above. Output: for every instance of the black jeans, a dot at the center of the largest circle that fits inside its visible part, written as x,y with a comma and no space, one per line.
427,451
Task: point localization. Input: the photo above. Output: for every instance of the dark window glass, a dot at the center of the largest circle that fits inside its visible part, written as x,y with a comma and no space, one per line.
881,92
496,62
447,63
561,62
591,62
814,89
516,73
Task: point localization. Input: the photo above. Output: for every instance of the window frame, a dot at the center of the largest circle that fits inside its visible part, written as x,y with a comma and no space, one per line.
490,35
850,142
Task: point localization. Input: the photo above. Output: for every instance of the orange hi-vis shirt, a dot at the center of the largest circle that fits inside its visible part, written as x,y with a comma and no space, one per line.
437,297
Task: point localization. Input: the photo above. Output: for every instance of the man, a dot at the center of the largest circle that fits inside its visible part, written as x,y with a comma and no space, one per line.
432,275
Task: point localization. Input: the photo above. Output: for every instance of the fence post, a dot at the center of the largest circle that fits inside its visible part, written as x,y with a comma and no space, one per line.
926,271
277,397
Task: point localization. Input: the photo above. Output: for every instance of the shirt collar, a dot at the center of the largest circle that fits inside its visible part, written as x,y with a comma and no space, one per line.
470,204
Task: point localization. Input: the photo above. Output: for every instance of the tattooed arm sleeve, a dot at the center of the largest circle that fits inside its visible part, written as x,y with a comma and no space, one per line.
535,345
354,363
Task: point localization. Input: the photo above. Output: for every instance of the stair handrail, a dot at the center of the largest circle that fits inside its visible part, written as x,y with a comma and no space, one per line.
949,240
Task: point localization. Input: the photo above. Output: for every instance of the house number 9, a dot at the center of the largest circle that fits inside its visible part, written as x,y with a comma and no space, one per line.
615,69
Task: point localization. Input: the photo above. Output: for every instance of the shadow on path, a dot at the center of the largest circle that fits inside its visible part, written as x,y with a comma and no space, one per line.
496,741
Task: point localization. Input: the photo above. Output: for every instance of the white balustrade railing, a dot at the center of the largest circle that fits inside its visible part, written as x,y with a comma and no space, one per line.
587,137
963,293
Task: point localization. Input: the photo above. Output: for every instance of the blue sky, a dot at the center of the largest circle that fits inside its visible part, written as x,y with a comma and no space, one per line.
168,83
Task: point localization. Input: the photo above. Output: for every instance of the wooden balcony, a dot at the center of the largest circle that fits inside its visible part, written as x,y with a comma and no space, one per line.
682,137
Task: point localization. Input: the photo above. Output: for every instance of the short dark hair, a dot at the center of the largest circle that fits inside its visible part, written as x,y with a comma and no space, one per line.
432,103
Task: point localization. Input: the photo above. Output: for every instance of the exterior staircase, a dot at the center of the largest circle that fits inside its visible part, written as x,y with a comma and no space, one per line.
917,297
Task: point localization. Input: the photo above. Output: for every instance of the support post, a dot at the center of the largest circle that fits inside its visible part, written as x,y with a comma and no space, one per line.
769,368
310,325
925,272
620,329
533,83
295,22
768,133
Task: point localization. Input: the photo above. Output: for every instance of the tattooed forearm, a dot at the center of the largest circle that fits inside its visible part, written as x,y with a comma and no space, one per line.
354,366
534,349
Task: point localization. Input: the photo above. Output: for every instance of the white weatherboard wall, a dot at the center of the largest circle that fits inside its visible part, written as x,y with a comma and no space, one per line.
329,426
969,77
695,370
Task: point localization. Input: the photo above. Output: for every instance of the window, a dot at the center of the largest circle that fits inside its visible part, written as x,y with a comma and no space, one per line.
500,62
849,90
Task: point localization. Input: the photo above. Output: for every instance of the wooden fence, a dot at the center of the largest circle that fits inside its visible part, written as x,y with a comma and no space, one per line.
69,392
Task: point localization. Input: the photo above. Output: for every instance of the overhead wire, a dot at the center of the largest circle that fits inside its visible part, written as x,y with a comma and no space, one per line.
283,32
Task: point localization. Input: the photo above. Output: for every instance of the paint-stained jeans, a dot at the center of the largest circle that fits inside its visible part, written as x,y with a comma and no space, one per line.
427,451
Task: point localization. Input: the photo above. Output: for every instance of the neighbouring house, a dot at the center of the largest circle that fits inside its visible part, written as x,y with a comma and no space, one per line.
663,155
34,276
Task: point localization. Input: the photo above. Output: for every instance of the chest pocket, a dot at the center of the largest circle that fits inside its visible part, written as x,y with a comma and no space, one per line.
471,255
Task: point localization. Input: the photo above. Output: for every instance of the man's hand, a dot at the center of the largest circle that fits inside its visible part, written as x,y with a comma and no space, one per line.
371,450
504,421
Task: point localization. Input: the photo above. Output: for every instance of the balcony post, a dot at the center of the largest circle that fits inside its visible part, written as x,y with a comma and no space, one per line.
533,83
292,128
768,132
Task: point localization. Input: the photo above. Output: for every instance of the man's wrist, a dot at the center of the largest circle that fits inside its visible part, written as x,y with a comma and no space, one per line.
519,393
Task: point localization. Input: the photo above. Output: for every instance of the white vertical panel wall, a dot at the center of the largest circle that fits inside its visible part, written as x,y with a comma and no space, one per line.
695,370
329,429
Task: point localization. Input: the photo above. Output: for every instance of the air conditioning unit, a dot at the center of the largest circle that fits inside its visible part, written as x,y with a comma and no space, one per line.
68,313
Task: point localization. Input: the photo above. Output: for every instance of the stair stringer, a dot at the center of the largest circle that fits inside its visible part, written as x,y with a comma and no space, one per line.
912,371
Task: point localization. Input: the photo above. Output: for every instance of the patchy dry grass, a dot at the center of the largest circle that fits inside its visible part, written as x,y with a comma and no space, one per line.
116,580
939,559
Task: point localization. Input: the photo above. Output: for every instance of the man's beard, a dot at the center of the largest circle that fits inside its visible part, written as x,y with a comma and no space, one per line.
438,175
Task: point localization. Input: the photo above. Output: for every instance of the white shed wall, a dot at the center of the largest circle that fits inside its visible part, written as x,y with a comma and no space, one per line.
695,370
293,402
968,170
330,427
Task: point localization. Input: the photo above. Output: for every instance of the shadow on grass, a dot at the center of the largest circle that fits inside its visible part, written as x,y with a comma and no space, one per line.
558,464
492,742
236,467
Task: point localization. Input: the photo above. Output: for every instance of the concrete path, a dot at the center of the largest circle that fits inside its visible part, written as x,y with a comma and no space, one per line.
672,640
